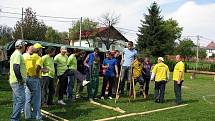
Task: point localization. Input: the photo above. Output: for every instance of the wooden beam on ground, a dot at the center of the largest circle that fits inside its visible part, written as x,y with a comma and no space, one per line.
52,115
49,117
141,113
117,109
201,72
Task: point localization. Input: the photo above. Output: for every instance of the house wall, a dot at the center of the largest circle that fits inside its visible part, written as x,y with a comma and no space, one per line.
118,46
210,52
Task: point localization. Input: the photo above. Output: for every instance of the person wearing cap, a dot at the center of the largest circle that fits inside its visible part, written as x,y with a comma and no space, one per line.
128,56
17,79
92,62
47,80
161,73
60,61
110,66
178,77
33,90
76,75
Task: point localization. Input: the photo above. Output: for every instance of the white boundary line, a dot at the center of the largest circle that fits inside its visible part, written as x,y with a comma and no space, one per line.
50,114
205,99
117,109
141,113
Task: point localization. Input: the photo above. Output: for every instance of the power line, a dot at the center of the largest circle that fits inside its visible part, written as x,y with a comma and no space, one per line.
10,17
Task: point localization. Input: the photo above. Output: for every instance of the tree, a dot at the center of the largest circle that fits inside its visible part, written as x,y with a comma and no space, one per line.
108,37
156,34
52,36
33,29
88,28
186,48
202,53
6,34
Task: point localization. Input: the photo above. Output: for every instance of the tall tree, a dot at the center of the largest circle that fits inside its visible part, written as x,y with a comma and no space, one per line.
202,53
186,48
108,37
6,34
52,36
88,28
33,29
156,34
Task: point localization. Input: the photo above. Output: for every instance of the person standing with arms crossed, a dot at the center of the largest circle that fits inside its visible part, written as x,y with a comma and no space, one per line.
128,56
178,78
161,73
17,79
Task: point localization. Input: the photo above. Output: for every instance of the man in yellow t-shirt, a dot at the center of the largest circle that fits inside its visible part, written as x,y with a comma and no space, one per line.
137,66
47,80
178,77
161,73
17,79
33,90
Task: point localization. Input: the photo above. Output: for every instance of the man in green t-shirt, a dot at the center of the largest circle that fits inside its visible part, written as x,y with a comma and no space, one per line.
17,79
81,79
60,61
47,80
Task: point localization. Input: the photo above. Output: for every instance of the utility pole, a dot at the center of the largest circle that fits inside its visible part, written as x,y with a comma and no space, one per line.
22,25
80,32
197,52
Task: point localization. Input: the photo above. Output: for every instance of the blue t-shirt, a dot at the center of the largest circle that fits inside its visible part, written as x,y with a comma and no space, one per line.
129,56
110,70
91,59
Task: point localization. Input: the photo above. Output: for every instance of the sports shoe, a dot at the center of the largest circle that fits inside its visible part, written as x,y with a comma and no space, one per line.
110,98
85,82
102,98
61,102
91,100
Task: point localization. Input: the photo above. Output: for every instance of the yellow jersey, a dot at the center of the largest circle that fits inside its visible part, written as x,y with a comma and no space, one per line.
161,72
137,69
179,67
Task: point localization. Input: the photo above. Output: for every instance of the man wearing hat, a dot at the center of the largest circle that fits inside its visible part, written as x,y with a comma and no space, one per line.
33,90
161,74
17,79
60,61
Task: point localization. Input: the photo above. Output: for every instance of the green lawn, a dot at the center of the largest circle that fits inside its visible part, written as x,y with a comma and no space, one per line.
81,110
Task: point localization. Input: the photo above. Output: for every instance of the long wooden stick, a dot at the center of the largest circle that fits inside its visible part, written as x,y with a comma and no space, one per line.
141,113
49,117
108,107
117,90
50,114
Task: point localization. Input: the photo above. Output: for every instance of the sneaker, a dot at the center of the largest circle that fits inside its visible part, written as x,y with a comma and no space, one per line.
85,82
91,100
110,98
102,98
61,102
77,96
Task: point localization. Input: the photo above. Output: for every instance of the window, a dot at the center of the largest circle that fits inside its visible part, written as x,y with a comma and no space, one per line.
99,44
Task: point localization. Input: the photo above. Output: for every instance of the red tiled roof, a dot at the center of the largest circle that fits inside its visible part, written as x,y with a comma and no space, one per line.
211,45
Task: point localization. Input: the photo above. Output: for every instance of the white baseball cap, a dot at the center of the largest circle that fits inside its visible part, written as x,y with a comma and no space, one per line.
20,42
161,58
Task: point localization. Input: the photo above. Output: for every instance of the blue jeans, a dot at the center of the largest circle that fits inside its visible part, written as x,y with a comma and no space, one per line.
177,90
160,90
18,100
126,76
33,96
70,86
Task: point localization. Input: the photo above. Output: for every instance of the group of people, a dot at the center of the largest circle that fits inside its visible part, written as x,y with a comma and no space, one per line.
32,76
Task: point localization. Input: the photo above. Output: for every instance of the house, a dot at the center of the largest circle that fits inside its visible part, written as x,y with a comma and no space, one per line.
101,37
210,49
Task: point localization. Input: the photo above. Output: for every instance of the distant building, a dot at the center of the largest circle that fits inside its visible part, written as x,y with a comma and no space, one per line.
97,38
210,49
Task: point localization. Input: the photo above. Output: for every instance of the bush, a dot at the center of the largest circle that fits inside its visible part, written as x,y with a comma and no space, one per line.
212,68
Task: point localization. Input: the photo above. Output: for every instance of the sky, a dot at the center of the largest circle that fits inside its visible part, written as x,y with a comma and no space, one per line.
195,16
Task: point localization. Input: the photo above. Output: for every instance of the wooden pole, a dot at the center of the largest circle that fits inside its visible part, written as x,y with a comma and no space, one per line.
117,109
50,114
117,90
141,113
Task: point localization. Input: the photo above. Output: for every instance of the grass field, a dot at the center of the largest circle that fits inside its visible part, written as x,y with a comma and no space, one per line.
198,109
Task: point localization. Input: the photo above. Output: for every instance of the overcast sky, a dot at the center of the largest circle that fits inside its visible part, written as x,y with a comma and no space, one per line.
197,17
